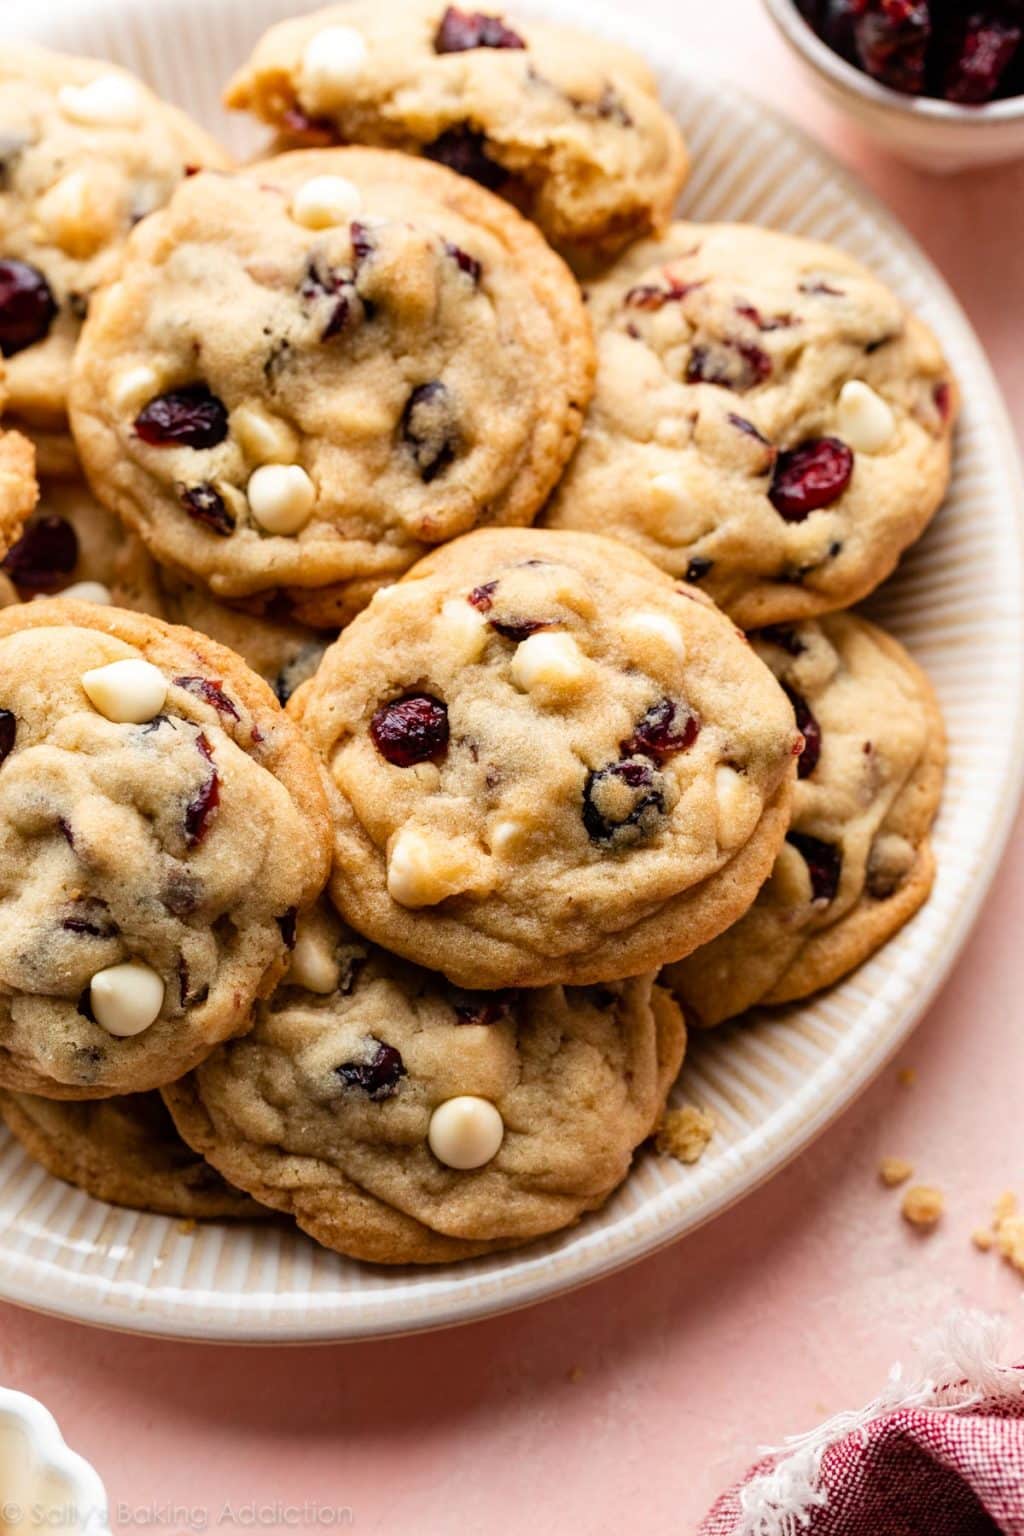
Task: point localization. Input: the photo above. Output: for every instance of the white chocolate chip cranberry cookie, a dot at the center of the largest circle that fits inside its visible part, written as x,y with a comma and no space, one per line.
126,1151
73,547
402,1121
86,151
551,763
309,374
567,126
161,824
769,420
857,861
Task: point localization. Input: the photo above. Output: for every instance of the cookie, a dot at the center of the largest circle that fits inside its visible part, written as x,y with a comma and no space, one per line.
551,763
567,126
74,547
18,489
161,823
857,861
769,420
404,1122
309,374
127,1152
86,151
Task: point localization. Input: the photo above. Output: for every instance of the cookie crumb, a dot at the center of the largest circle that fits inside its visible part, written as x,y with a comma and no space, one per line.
906,1077
1008,1231
982,1239
894,1170
923,1205
186,1228
1005,1206
684,1133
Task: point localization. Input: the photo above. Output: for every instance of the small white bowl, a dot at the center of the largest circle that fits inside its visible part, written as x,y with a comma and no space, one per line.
933,135
44,1486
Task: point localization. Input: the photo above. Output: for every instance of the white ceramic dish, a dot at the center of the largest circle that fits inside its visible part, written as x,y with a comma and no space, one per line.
774,1084
933,135
43,1484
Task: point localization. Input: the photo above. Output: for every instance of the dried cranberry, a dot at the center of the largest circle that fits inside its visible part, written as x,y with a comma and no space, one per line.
8,731
465,262
735,365
462,30
45,555
764,323
986,51
482,597
191,418
91,917
649,296
809,729
363,243
820,289
379,1076
208,689
810,477
943,397
518,629
623,803
288,924
660,735
189,999
824,863
465,151
336,284
203,805
698,568
204,504
428,426
27,306
892,38
481,1007
411,730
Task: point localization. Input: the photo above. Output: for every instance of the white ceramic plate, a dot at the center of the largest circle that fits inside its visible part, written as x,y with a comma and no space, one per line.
774,1083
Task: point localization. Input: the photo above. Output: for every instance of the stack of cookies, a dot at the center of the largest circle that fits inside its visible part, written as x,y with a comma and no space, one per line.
422,679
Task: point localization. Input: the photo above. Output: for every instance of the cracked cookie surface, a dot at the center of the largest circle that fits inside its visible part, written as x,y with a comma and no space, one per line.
769,420
85,152
551,763
329,1109
857,862
161,822
126,1151
566,125
309,374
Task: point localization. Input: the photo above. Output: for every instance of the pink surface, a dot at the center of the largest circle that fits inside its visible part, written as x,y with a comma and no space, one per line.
630,1405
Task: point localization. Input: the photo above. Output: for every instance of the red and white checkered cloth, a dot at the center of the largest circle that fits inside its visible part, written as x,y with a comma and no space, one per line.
941,1456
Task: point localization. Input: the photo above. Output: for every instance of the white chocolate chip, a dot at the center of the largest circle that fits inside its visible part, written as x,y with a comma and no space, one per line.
548,665
424,868
266,439
76,214
667,494
465,1132
864,420
658,627
109,101
464,628
126,999
134,388
505,835
333,61
88,592
129,692
738,806
314,962
790,881
324,201
281,497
